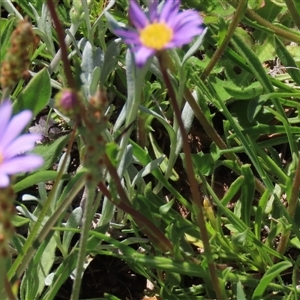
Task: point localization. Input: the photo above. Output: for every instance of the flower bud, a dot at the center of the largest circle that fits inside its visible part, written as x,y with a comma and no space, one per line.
67,103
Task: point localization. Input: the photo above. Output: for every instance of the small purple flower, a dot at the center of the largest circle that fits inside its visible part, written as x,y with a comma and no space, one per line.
13,144
159,29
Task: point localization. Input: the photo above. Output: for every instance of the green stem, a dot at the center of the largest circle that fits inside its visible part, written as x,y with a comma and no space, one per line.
88,215
293,11
219,52
196,195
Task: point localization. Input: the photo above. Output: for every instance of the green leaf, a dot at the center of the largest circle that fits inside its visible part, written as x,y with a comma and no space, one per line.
61,274
247,195
149,168
273,272
164,209
240,294
36,95
19,221
144,158
33,283
44,258
73,222
158,154
255,4
110,59
51,152
287,60
7,27
203,163
249,92
233,189
30,180
112,150
110,297
255,106
253,62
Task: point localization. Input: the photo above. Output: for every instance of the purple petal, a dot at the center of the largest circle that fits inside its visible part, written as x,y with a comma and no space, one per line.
5,115
142,54
185,35
21,164
190,18
137,16
22,144
169,10
128,36
15,127
4,180
153,13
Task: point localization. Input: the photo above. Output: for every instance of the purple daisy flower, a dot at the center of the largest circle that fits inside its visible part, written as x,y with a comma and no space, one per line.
13,144
159,29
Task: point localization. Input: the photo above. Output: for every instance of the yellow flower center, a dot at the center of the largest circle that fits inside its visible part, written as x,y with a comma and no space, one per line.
156,36
1,158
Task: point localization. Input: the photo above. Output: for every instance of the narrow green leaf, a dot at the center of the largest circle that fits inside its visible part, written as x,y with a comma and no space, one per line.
110,59
253,62
32,179
7,27
112,150
73,222
240,294
247,194
287,60
43,261
144,158
19,221
273,272
233,189
164,209
253,90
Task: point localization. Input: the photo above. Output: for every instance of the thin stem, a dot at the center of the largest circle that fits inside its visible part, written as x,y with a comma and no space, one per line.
196,195
61,40
219,52
293,11
87,220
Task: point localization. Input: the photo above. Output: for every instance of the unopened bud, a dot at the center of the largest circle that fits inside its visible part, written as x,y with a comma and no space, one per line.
67,103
